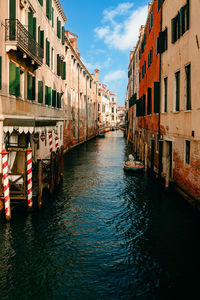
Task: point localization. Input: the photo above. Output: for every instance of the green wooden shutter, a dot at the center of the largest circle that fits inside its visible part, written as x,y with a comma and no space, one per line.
64,70
42,41
47,52
156,97
29,86
34,28
33,88
12,77
49,95
173,29
12,9
58,28
188,14
54,98
17,82
0,72
63,35
39,37
46,95
41,2
58,65
58,100
48,9
52,17
30,23
40,92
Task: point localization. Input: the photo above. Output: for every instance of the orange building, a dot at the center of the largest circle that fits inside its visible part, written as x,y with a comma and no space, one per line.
147,133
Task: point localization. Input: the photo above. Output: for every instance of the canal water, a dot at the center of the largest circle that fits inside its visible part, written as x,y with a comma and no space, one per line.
104,234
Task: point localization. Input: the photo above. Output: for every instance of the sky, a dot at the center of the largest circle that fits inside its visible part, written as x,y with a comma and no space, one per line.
107,31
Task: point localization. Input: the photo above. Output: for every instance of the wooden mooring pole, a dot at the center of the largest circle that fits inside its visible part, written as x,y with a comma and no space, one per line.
40,183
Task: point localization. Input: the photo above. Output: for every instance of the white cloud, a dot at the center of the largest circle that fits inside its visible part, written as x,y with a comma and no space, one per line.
123,34
114,75
121,9
91,66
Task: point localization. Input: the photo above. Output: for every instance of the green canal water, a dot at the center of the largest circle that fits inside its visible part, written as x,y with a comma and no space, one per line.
104,234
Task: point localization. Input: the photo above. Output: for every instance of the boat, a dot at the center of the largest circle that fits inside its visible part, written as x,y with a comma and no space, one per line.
132,164
101,134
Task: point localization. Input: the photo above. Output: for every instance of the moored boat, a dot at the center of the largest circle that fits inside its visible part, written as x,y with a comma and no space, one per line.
133,166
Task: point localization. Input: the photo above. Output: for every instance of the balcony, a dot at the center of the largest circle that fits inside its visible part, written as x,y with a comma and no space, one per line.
18,38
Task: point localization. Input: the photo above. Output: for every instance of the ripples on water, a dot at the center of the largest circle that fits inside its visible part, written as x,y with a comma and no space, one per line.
104,234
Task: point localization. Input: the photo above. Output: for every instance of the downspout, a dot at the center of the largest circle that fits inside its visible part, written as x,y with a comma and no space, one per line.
159,131
86,111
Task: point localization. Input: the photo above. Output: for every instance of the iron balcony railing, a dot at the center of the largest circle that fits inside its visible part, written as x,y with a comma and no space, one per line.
16,32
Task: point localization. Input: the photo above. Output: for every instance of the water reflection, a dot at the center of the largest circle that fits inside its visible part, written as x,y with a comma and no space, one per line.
104,234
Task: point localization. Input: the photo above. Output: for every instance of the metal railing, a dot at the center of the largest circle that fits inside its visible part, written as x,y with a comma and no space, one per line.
15,31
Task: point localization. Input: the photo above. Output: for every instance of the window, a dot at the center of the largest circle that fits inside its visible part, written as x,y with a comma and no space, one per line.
63,70
150,58
58,65
99,94
48,9
47,52
162,41
40,92
63,35
165,94
58,28
103,108
59,100
52,59
14,79
149,101
54,98
177,91
41,2
187,152
30,87
180,23
112,109
90,83
52,16
188,86
156,97
150,21
41,39
47,95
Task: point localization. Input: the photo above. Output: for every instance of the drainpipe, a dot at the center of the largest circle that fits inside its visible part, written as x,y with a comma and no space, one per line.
86,110
159,135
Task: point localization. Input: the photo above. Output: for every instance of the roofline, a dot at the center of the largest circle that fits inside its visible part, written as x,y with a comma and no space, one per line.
60,9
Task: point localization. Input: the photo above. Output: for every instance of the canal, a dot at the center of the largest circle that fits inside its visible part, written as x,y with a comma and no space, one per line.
104,234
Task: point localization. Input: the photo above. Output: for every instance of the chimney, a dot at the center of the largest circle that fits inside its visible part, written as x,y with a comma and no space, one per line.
96,75
79,55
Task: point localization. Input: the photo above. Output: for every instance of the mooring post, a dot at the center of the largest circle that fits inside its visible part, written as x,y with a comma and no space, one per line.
53,169
50,141
40,183
145,156
29,177
61,161
6,184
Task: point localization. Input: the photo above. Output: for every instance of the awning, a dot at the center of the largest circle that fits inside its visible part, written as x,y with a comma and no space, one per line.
28,125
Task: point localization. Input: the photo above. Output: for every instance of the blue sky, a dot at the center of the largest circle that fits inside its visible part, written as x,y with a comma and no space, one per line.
107,31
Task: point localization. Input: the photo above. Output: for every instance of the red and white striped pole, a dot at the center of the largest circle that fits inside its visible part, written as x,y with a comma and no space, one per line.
50,141
29,177
57,142
6,184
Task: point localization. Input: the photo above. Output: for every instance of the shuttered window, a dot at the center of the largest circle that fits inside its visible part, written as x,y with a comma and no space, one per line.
0,72
63,35
40,92
165,93
177,95
52,17
187,152
47,95
41,2
156,97
14,80
149,101
58,65
58,28
30,87
47,52
54,98
63,70
48,9
188,87
58,100
12,9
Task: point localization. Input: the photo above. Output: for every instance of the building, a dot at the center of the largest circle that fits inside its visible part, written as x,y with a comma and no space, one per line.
80,101
31,90
180,93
